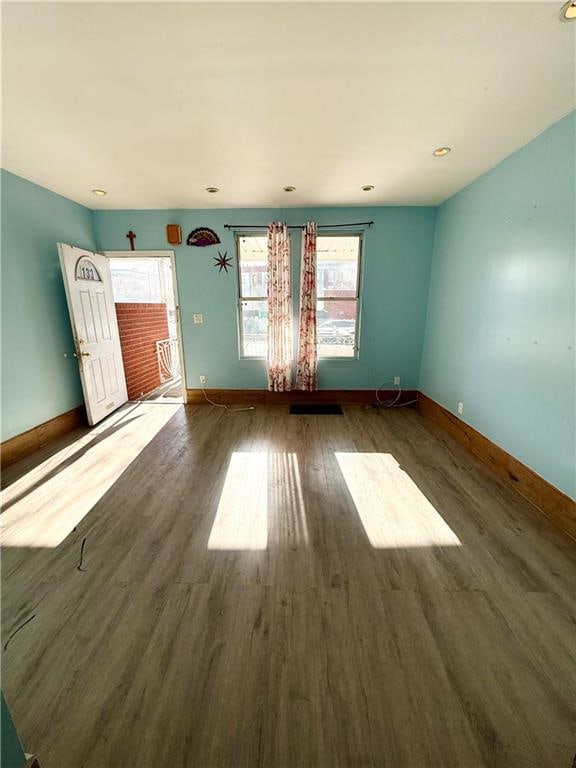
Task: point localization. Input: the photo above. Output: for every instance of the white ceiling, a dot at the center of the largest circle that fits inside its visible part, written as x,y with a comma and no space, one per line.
154,102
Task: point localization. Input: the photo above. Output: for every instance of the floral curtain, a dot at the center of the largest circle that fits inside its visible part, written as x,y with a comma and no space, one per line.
279,320
307,354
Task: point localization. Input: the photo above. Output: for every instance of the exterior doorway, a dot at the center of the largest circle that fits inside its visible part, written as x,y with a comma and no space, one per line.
146,302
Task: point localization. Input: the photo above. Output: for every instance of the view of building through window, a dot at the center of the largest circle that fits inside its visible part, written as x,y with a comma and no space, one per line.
144,281
338,267
253,289
337,281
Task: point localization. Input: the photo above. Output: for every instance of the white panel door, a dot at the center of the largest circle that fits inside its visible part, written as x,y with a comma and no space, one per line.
91,305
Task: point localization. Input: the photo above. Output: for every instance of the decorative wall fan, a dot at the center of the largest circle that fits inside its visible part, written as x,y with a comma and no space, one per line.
202,236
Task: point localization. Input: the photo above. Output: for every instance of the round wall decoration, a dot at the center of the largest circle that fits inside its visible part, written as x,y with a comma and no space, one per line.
202,236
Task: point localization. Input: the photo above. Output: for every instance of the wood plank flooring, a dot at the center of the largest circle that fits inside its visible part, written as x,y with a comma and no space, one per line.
261,590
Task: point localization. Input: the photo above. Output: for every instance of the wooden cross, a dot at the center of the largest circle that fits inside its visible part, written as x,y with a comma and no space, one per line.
131,236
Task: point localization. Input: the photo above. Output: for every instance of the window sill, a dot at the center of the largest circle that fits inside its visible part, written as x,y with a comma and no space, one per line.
339,359
252,357
322,359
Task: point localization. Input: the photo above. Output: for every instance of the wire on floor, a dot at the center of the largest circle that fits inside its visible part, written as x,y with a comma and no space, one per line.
378,402
392,402
226,407
79,566
410,402
18,630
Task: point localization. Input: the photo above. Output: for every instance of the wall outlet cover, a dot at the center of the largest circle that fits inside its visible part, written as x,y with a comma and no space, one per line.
460,408
396,381
198,318
202,379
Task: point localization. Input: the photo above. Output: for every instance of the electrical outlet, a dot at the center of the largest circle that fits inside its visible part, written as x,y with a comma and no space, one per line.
460,408
202,379
198,318
396,381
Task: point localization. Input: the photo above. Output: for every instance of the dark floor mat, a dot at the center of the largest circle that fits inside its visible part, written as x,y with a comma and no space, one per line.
316,410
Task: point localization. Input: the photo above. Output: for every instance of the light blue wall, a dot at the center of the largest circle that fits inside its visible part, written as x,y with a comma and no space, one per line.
397,253
499,328
501,316
38,382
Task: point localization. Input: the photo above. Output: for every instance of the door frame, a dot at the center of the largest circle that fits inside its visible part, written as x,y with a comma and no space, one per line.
167,254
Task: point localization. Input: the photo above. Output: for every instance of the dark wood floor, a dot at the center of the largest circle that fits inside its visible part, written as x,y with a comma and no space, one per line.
262,590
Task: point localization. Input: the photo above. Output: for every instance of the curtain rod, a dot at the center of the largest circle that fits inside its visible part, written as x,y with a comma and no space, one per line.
299,226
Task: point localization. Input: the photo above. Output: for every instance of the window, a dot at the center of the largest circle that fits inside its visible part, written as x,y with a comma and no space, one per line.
337,291
252,253
140,280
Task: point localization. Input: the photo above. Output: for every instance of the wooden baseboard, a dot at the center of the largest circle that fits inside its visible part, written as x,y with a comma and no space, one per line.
326,396
558,507
38,437
555,504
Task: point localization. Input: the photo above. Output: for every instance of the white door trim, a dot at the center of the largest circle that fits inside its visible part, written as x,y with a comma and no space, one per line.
167,254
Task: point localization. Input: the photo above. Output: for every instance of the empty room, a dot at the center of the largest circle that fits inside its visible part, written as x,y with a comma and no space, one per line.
288,384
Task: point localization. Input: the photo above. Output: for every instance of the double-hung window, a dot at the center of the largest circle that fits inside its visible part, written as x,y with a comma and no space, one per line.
337,291
338,294
252,252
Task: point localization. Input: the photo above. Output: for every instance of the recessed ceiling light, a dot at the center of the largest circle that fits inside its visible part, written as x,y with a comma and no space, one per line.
367,187
98,191
442,151
212,190
568,12
289,189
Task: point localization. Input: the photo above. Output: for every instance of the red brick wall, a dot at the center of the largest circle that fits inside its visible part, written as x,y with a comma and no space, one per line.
141,326
340,309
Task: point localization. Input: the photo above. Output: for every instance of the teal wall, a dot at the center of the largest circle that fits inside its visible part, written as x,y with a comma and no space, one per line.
38,382
11,753
494,266
501,317
396,266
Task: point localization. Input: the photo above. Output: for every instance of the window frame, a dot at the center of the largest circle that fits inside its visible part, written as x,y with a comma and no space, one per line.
357,298
240,298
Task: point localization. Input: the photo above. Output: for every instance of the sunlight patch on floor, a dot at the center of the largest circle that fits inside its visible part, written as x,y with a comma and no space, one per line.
43,506
286,509
393,510
241,520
